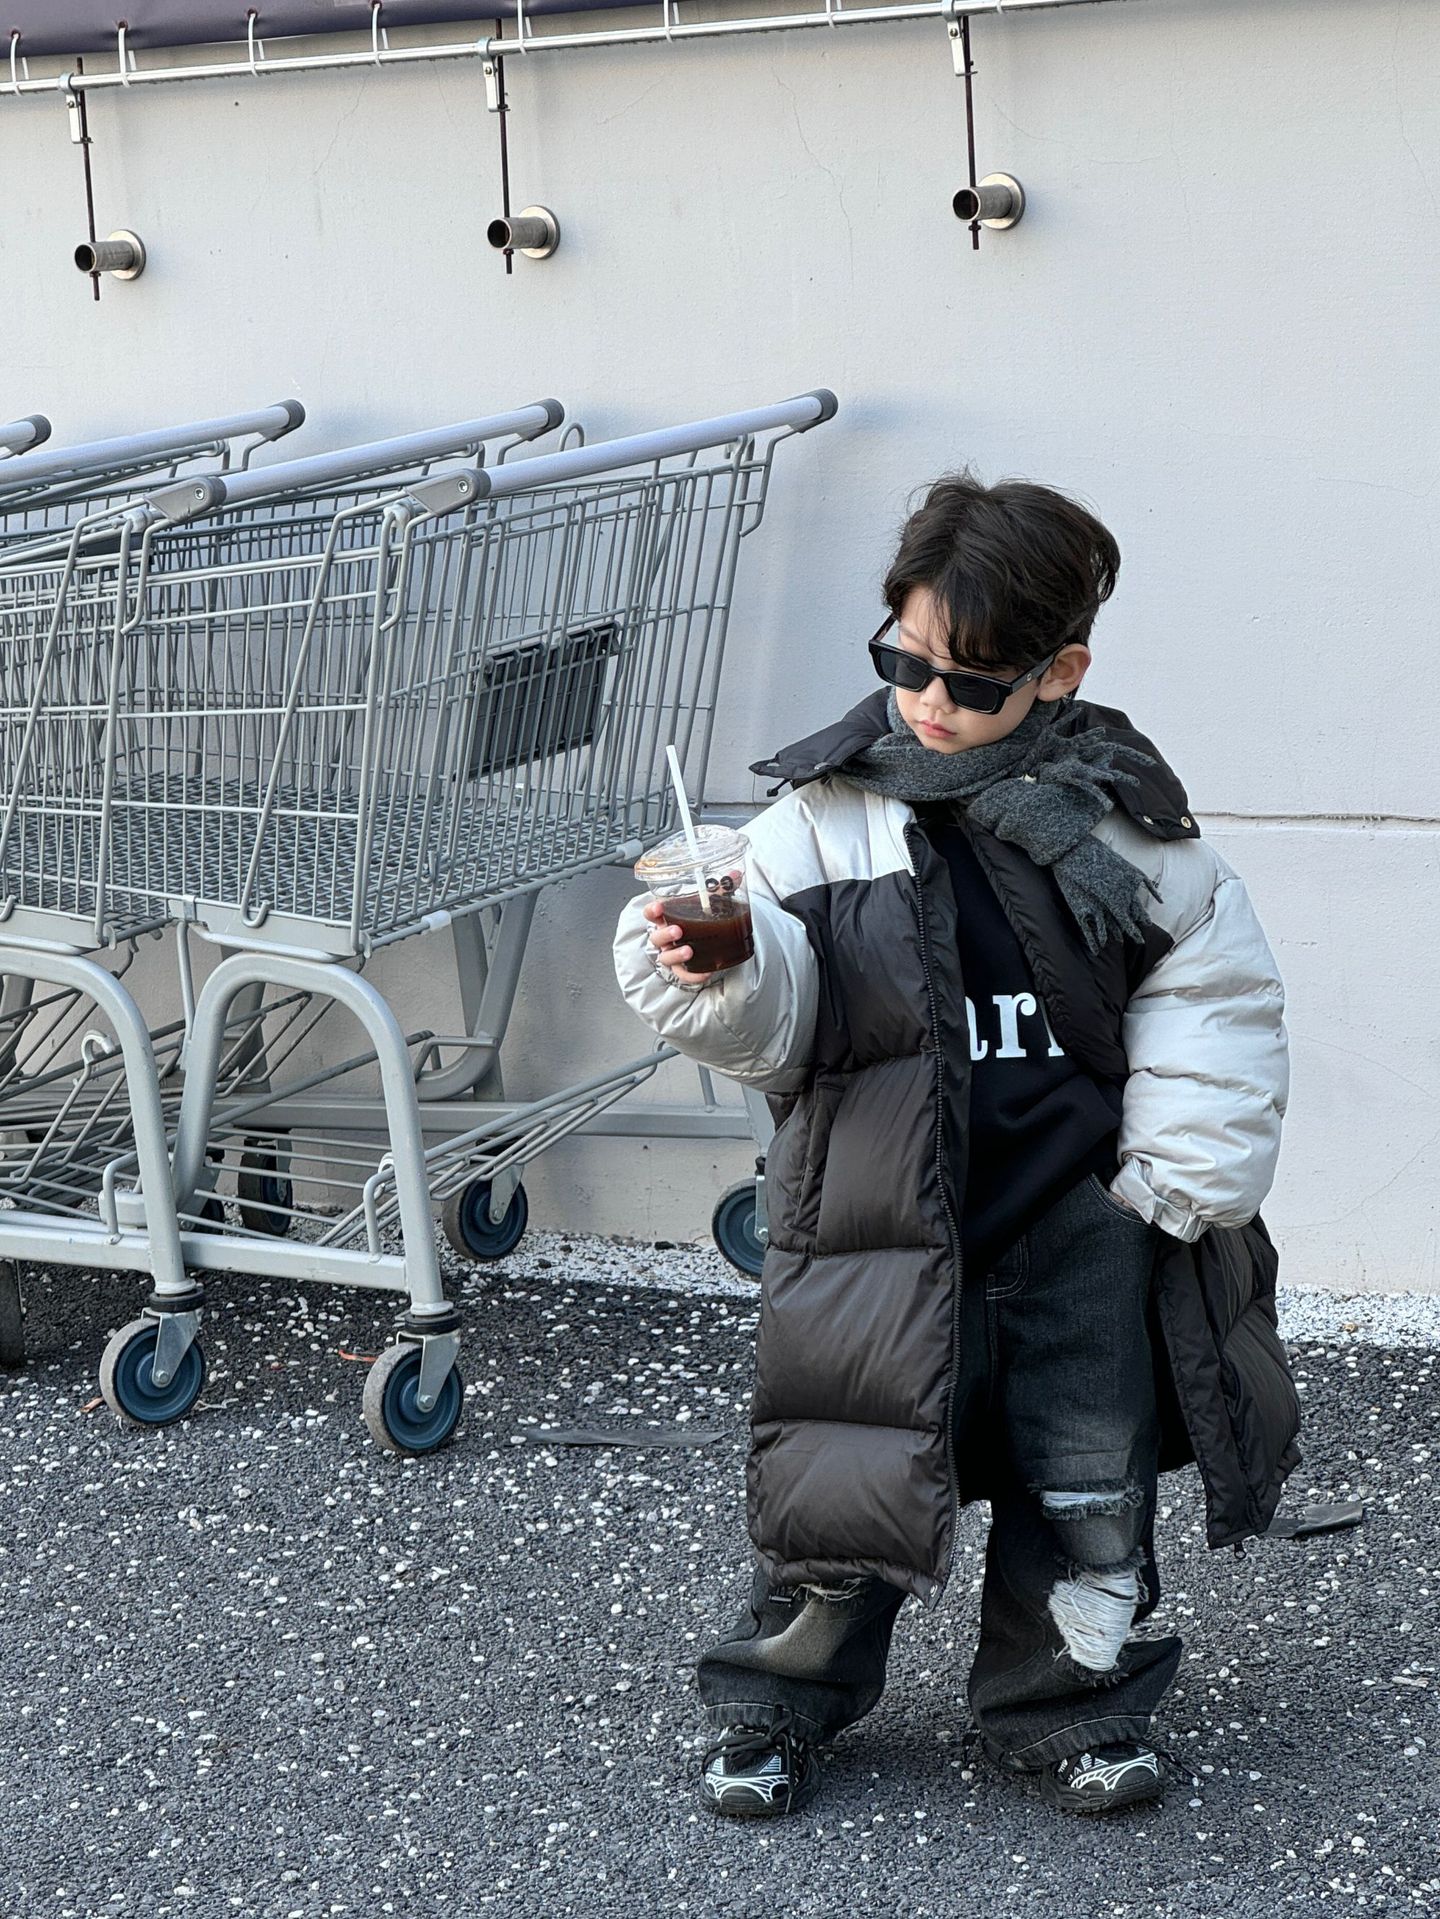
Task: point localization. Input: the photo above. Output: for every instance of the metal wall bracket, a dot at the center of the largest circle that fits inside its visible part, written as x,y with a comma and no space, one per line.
997,201
534,231
122,255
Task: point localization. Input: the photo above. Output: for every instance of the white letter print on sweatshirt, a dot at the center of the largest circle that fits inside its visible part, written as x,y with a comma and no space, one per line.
1010,1008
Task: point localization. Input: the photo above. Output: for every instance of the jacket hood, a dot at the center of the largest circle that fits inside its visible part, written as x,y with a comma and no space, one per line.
1158,802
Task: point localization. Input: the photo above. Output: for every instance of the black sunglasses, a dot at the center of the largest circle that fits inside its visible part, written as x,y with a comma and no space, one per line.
971,690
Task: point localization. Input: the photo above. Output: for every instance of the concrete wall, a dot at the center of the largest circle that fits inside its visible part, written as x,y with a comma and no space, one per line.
1216,322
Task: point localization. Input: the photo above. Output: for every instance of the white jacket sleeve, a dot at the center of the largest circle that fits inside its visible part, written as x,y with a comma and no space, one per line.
1208,1053
754,1022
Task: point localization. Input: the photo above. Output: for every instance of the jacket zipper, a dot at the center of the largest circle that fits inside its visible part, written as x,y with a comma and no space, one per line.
956,1242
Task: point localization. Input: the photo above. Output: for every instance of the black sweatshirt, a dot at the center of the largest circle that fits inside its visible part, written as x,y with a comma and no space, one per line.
1038,1122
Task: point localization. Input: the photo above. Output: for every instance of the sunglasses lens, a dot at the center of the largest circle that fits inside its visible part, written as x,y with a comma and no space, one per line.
898,668
974,695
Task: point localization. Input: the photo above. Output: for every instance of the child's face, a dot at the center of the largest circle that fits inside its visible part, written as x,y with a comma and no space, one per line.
946,728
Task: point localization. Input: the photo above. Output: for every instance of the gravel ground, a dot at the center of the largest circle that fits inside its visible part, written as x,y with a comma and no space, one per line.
256,1667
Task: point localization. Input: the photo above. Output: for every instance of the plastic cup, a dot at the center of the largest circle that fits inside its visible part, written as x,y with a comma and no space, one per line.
718,928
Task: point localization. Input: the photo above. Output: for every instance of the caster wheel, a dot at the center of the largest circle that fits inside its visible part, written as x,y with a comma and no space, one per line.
471,1231
265,1196
733,1225
12,1317
396,1422
125,1377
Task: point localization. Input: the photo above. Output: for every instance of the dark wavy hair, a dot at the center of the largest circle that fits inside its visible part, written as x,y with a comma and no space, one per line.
1018,570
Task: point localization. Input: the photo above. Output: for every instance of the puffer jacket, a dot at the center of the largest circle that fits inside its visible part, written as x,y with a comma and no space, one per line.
851,1018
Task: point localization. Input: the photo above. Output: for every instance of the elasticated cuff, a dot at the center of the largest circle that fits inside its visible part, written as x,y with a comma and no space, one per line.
1179,1222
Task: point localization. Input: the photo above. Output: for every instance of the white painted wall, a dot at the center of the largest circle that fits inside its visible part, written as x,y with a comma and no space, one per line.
1216,323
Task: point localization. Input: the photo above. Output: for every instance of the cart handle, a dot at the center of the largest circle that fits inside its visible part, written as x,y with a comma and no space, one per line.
576,463
380,456
100,456
18,436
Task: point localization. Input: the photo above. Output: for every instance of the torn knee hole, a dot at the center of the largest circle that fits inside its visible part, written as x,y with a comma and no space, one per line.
1094,1611
1097,1503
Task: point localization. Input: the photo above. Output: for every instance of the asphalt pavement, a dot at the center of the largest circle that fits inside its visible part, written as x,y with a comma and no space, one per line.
255,1666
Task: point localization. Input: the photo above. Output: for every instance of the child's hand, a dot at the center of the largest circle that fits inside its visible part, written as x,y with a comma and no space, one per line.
669,952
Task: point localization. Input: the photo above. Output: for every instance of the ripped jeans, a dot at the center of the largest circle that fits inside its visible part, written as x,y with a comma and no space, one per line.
1057,1427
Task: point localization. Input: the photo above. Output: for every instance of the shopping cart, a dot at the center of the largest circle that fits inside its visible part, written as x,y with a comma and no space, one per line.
463,694
62,1083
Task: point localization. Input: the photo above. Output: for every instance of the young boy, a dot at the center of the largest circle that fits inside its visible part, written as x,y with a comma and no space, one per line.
1023,1040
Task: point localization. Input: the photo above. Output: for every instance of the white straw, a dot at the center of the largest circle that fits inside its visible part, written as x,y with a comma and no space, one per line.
688,824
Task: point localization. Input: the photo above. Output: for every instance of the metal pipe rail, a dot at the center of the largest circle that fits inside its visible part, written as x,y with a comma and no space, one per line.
255,62
36,473
806,410
18,436
215,492
379,457
285,1110
345,469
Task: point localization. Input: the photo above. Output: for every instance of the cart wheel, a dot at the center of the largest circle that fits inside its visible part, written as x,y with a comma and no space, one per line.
470,1229
125,1377
265,1195
733,1225
12,1317
394,1419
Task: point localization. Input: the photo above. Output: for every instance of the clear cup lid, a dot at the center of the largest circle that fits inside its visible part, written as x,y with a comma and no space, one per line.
720,846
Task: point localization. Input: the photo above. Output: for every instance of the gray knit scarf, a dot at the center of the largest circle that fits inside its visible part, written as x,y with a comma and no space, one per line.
1040,789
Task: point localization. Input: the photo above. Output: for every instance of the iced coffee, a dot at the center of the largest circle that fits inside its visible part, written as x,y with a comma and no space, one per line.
715,922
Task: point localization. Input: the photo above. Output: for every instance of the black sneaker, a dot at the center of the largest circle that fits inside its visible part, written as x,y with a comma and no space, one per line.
1104,1780
753,1772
